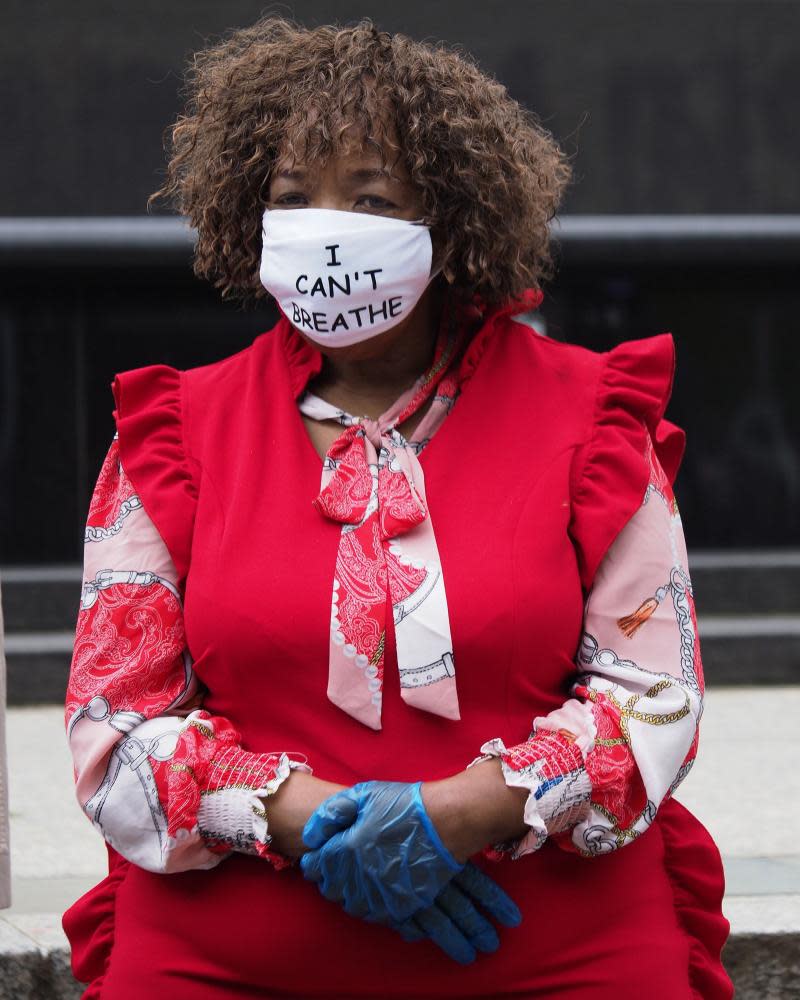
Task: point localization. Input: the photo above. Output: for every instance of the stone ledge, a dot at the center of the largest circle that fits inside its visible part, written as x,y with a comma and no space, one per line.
762,954
34,959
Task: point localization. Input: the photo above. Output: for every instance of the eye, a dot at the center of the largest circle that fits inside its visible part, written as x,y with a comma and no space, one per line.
290,198
375,203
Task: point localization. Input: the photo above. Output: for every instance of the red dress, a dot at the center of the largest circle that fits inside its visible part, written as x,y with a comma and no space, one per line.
528,482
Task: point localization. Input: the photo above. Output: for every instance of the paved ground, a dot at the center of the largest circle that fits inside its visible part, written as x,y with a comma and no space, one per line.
745,788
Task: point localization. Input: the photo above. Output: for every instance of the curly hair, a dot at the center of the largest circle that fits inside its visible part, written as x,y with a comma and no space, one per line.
490,176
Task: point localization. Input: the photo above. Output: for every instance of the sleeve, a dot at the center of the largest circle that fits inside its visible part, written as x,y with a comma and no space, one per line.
166,783
598,767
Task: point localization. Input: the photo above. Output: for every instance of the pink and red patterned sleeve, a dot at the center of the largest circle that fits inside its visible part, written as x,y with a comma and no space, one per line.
165,782
598,767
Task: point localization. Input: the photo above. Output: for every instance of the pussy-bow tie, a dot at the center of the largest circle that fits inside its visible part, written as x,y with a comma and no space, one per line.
373,484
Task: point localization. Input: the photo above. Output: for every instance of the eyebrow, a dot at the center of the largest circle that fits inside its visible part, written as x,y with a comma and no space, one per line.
358,174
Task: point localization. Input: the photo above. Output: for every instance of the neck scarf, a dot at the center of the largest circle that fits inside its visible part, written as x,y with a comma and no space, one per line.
373,484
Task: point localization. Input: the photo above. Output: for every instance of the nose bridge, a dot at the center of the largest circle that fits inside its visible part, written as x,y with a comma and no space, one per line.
330,185
328,193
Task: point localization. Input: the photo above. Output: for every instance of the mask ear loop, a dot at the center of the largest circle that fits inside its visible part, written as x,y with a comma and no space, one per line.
438,268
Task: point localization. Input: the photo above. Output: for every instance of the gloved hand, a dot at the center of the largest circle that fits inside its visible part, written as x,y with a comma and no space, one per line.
455,924
376,851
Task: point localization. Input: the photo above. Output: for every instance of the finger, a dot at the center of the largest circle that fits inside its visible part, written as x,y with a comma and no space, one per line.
328,867
488,893
311,865
442,931
333,814
409,930
472,924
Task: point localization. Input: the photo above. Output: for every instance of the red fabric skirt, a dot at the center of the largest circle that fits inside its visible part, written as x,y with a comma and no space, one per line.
644,921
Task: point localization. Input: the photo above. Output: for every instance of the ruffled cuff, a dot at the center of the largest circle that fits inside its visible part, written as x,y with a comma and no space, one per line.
232,816
552,768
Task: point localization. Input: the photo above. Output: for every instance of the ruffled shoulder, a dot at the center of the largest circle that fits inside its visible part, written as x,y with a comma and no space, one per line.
612,469
149,416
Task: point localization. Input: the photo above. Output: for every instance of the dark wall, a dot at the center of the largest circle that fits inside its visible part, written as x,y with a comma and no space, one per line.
65,334
665,106
674,107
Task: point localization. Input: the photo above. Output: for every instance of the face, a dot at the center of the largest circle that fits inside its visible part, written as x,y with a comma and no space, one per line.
355,180
352,181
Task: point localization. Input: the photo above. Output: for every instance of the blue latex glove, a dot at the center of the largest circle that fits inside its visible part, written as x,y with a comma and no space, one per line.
376,851
455,924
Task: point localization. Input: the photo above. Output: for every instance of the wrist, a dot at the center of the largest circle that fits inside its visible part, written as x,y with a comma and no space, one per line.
475,808
288,809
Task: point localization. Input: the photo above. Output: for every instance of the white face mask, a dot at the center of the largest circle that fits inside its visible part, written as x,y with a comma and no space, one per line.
342,277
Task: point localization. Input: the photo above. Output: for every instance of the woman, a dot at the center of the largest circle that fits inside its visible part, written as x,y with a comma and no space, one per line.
337,584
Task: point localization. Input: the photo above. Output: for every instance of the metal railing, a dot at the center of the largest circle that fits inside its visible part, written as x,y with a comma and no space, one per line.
113,241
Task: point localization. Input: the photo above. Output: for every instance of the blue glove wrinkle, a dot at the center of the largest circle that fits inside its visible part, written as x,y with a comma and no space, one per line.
389,856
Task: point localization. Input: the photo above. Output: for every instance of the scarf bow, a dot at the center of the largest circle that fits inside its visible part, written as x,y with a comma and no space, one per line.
374,486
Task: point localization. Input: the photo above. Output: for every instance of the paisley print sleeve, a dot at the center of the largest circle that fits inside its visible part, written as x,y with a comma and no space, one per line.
165,782
598,767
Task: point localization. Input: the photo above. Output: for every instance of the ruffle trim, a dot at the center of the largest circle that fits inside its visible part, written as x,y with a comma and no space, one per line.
612,470
552,770
303,359
694,868
89,925
234,817
149,418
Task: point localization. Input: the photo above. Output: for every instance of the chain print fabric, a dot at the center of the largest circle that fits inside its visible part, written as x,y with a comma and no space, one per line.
167,784
598,767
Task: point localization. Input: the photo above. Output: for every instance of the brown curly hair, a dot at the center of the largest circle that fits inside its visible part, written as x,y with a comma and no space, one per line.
490,176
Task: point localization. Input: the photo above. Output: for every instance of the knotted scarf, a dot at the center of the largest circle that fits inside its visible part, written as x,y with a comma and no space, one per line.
373,484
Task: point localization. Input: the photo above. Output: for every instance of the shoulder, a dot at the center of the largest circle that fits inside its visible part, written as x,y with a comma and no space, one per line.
642,369
632,380
168,393
213,377
639,360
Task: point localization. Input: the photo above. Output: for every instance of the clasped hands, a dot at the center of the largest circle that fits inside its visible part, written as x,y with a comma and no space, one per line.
375,850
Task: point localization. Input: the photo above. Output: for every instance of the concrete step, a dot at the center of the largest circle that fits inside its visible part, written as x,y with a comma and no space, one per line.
750,649
41,598
746,582
37,667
